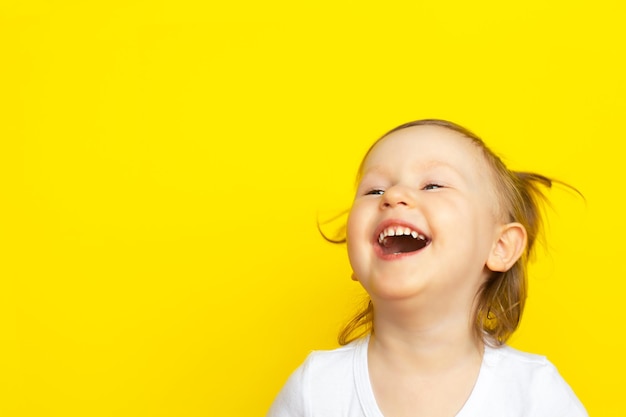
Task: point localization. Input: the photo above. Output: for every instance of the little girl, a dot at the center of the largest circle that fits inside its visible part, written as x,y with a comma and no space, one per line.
439,236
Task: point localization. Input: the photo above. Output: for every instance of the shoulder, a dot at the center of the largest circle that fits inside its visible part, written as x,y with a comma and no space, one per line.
326,373
322,385
531,381
508,359
323,361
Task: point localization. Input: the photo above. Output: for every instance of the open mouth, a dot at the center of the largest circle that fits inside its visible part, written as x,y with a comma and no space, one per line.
395,240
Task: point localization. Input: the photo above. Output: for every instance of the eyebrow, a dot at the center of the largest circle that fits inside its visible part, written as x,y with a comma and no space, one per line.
444,165
433,164
376,169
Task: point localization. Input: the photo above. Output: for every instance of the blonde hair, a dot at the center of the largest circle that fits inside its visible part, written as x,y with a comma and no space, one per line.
501,298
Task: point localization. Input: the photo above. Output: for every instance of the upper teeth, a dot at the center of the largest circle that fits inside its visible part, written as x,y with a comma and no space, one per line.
399,231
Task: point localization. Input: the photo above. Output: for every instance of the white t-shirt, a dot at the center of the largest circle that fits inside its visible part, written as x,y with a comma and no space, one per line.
510,384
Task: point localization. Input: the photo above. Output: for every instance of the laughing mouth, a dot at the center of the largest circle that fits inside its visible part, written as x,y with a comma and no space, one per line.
394,240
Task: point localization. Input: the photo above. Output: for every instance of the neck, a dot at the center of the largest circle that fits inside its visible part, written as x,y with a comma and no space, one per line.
428,339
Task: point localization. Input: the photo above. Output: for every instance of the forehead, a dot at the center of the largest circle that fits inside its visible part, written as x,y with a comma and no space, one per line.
424,146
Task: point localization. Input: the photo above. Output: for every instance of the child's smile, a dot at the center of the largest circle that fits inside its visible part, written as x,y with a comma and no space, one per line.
397,238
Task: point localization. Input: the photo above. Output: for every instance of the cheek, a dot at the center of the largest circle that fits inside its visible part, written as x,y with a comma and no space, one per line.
355,236
356,220
448,214
465,225
352,231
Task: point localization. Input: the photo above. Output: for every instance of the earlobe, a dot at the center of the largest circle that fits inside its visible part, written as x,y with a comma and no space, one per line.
508,248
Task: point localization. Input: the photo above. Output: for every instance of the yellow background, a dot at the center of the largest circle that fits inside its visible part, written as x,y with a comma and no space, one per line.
163,164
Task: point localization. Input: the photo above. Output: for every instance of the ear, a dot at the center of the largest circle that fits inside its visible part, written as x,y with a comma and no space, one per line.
507,249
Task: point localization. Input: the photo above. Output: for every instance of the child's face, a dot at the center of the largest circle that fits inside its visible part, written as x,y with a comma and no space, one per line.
432,186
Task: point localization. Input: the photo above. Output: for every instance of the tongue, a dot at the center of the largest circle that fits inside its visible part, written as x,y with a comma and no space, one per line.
401,244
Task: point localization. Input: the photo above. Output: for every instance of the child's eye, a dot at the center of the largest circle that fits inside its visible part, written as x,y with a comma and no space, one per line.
375,191
432,186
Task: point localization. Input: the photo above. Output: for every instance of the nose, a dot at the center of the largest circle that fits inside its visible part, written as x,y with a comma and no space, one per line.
397,196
